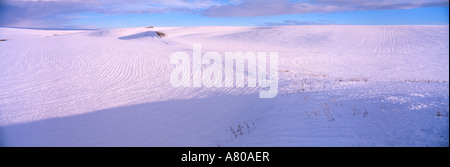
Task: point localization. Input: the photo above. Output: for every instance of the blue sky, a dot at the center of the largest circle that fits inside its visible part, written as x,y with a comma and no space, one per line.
134,13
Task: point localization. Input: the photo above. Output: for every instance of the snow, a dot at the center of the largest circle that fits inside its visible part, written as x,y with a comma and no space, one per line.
338,86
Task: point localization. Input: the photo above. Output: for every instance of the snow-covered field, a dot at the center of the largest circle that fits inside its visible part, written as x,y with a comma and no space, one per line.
338,86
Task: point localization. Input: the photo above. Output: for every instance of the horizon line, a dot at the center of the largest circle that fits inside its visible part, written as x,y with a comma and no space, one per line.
42,28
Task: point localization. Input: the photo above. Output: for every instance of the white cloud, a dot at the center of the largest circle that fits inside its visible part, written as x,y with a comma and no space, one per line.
281,7
50,13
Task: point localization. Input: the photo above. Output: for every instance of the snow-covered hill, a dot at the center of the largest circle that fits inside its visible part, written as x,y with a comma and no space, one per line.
338,86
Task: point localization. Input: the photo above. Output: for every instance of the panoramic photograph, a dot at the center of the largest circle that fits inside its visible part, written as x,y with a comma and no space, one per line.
224,73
